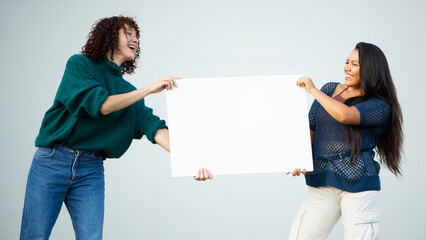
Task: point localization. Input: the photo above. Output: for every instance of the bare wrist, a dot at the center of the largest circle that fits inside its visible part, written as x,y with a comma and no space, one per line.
147,90
313,91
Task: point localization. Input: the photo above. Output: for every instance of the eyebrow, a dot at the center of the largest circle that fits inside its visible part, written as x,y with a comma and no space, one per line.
128,28
352,60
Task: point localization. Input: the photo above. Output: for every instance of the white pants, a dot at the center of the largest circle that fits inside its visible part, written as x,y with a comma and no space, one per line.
322,208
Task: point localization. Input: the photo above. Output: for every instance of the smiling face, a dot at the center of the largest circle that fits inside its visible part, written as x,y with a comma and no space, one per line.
128,44
351,69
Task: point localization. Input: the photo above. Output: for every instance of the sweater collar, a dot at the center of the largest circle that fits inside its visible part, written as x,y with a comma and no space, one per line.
112,67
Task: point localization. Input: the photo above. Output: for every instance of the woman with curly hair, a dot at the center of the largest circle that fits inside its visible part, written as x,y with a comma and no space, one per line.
348,122
95,115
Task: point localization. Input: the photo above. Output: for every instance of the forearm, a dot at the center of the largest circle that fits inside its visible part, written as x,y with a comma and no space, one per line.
117,102
339,111
162,138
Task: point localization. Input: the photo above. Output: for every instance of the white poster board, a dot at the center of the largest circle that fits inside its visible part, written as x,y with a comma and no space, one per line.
238,125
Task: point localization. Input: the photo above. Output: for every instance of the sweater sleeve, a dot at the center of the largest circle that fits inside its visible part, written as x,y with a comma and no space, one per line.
80,92
374,113
147,123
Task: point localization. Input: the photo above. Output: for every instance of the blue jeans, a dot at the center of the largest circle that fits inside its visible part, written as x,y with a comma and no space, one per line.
60,175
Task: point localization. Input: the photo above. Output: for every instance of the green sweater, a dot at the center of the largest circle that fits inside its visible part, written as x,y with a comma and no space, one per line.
74,120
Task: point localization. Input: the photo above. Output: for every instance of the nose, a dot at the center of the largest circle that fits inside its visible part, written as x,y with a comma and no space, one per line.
134,39
346,68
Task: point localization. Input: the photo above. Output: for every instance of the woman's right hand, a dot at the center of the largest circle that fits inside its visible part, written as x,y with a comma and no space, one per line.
163,83
307,83
297,172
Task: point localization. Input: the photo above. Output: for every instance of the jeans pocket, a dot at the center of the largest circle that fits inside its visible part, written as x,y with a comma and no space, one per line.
97,156
43,152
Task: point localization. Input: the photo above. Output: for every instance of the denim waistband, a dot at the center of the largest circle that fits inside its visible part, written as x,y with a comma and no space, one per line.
70,150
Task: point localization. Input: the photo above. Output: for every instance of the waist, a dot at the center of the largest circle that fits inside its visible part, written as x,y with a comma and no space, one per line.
78,151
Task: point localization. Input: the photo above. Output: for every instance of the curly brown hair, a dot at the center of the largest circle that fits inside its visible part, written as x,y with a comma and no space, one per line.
103,38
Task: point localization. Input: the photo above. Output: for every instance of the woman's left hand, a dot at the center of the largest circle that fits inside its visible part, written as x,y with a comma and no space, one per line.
203,174
297,172
307,83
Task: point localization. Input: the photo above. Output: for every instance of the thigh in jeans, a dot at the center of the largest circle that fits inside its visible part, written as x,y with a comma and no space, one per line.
46,189
85,200
318,214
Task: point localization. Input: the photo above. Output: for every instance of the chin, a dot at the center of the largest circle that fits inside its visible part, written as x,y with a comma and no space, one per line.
129,59
352,84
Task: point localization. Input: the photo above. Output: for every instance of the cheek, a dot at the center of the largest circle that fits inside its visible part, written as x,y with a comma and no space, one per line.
357,75
357,79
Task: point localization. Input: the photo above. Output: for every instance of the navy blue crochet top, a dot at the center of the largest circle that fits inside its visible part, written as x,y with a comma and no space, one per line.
332,150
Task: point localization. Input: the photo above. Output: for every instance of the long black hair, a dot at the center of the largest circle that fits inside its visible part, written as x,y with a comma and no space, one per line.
376,81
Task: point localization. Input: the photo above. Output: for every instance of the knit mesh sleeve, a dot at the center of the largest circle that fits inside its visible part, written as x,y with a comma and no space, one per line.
374,113
313,115
328,89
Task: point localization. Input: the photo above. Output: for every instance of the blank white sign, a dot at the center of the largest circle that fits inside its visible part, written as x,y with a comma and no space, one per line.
238,125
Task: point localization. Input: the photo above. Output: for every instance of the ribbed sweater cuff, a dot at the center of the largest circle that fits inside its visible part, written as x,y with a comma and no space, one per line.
327,178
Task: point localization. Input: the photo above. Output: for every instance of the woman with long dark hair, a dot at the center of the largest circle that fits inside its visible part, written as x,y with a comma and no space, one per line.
348,122
95,115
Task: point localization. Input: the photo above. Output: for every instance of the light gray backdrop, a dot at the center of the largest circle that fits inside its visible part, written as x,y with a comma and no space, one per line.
218,38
